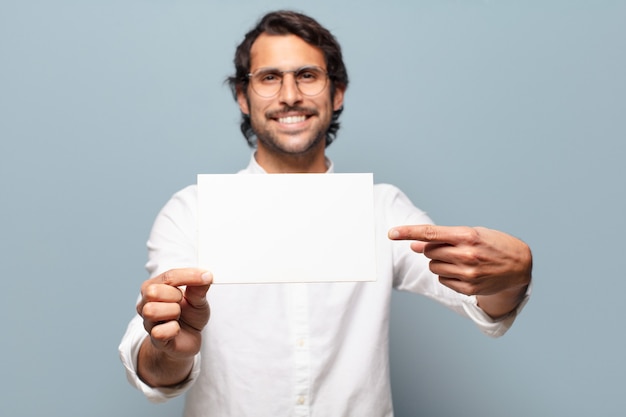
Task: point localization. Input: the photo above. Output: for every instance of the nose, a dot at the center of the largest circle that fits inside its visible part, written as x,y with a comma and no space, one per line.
289,93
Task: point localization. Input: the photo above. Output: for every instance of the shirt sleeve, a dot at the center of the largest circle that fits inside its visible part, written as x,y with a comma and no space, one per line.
129,350
172,244
489,326
411,272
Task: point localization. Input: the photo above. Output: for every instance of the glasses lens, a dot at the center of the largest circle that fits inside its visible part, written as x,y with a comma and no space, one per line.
266,83
309,80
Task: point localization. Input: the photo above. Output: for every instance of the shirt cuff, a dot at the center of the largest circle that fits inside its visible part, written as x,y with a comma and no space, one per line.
129,351
486,324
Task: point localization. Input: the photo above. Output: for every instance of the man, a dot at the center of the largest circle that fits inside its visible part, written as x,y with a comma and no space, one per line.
302,349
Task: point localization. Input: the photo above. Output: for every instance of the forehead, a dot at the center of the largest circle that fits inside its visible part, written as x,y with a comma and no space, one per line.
283,52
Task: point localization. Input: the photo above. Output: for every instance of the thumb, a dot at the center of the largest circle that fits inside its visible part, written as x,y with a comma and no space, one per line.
196,294
195,309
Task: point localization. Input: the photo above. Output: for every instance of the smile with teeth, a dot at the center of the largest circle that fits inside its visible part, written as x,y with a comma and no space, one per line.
291,119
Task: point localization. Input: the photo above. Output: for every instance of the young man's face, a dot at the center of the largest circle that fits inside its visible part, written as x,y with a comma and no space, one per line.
289,123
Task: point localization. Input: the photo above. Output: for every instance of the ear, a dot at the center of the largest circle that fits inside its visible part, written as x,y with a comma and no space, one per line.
242,100
338,98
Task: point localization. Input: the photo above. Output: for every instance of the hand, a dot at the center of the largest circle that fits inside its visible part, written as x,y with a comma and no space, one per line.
474,261
174,316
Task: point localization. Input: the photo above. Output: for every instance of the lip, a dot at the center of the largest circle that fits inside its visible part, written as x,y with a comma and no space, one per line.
294,115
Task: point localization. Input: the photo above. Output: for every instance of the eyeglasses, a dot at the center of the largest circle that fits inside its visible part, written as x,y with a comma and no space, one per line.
267,82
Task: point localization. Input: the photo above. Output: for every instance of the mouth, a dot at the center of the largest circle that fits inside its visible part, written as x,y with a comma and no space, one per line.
291,119
291,116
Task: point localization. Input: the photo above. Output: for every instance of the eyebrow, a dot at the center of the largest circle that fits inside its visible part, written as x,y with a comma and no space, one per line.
266,69
275,69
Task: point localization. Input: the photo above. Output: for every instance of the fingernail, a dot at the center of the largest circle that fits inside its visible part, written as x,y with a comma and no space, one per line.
207,277
394,234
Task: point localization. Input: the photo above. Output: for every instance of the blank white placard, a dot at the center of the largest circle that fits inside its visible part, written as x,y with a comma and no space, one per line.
262,228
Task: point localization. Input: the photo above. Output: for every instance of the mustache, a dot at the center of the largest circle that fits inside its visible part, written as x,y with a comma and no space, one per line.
274,114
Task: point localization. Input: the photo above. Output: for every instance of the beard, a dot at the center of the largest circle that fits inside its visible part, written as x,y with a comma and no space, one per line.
309,140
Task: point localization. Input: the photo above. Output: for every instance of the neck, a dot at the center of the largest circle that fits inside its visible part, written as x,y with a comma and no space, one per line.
274,163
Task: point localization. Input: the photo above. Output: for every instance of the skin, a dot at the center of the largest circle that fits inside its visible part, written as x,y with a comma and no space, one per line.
173,317
289,147
492,265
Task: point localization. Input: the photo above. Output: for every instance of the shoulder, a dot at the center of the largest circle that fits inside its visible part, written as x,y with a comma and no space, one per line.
387,194
190,192
183,201
386,190
395,205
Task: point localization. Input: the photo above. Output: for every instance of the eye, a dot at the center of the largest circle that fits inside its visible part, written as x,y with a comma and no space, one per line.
269,77
307,75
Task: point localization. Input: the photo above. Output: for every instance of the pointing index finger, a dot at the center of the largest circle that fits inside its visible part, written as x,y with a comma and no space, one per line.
429,233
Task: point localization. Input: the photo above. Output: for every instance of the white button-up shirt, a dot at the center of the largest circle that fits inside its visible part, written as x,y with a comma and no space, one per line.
315,350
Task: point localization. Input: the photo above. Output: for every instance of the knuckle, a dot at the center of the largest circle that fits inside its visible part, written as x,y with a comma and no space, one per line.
430,232
167,277
151,292
144,287
471,273
149,311
161,292
470,257
470,235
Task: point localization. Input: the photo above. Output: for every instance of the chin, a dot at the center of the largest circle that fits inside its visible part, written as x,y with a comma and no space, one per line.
293,146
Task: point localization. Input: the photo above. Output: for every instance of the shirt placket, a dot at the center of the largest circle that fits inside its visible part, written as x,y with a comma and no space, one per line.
302,357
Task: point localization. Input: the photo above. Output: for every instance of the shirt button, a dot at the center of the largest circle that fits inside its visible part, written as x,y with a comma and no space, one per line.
300,342
301,400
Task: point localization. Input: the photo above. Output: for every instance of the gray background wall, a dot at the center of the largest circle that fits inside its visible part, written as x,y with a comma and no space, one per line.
508,114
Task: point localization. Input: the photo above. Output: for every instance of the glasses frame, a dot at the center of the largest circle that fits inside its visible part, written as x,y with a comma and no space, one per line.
282,79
